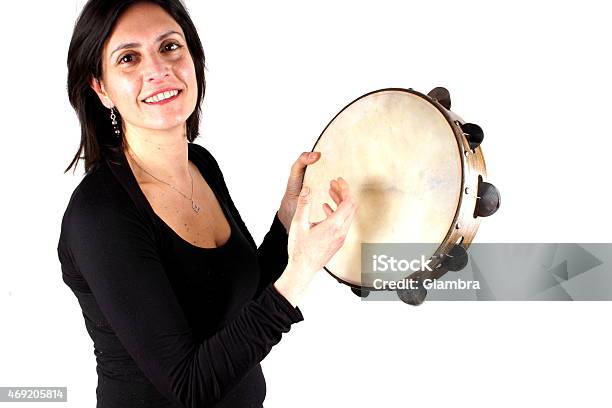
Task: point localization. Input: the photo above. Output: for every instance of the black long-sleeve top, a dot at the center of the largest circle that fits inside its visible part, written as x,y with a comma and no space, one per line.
173,324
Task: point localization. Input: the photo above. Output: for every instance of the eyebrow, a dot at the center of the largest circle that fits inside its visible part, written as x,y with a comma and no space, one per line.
136,45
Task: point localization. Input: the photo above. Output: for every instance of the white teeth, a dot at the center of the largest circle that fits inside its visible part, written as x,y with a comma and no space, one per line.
161,96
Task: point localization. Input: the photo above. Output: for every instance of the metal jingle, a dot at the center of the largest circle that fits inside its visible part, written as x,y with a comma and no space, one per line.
473,133
441,95
362,293
413,297
456,259
488,200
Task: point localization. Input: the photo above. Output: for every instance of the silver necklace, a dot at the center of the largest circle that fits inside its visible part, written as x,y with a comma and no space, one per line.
194,206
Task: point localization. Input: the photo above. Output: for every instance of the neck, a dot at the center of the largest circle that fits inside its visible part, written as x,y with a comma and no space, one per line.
163,153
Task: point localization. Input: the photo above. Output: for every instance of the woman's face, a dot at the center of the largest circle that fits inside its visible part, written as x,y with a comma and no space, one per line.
146,53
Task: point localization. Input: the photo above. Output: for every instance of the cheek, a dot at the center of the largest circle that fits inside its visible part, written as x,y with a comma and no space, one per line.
126,90
188,76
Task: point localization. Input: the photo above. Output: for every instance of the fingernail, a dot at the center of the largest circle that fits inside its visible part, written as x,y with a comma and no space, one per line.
305,191
312,155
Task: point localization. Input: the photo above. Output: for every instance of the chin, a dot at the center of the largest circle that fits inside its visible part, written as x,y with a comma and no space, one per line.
169,123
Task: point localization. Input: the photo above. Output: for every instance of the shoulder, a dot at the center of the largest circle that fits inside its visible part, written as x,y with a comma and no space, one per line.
209,164
204,155
97,204
98,190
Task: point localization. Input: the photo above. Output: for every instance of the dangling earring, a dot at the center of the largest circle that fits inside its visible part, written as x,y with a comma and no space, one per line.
114,123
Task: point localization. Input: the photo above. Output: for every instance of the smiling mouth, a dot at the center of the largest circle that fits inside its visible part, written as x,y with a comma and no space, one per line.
163,97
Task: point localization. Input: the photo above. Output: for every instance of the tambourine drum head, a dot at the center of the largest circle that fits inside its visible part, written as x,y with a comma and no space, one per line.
401,159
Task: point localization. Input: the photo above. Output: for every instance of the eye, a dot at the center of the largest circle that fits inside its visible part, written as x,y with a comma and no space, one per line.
127,58
172,46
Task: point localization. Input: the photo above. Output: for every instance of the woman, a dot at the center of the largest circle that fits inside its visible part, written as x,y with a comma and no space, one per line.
180,304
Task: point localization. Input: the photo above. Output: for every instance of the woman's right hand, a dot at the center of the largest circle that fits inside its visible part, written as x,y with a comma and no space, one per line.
312,245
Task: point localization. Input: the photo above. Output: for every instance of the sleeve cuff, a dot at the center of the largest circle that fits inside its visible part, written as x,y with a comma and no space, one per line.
293,312
278,228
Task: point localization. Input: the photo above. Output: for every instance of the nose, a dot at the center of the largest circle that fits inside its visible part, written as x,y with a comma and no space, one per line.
155,68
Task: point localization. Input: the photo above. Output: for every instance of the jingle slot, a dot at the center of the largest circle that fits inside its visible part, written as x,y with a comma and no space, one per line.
488,199
473,133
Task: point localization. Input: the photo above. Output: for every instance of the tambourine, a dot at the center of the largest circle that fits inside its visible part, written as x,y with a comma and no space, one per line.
418,174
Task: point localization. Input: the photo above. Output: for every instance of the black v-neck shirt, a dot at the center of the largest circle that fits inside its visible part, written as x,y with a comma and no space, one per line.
173,324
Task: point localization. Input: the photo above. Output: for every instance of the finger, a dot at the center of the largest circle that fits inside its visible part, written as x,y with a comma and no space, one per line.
343,185
313,157
304,160
327,209
299,165
302,210
348,221
343,211
335,195
340,187
298,170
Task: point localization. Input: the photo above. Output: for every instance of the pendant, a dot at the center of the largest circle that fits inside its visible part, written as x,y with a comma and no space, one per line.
195,207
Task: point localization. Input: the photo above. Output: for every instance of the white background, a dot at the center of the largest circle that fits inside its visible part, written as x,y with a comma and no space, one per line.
534,75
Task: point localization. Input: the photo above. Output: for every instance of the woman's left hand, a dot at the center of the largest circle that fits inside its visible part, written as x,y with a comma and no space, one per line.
294,186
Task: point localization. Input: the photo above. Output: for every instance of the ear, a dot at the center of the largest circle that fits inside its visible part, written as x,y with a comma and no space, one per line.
98,88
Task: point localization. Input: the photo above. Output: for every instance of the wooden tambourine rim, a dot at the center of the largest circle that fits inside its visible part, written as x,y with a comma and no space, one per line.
465,224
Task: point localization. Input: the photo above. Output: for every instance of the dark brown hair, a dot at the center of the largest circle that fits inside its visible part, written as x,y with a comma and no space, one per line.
91,31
